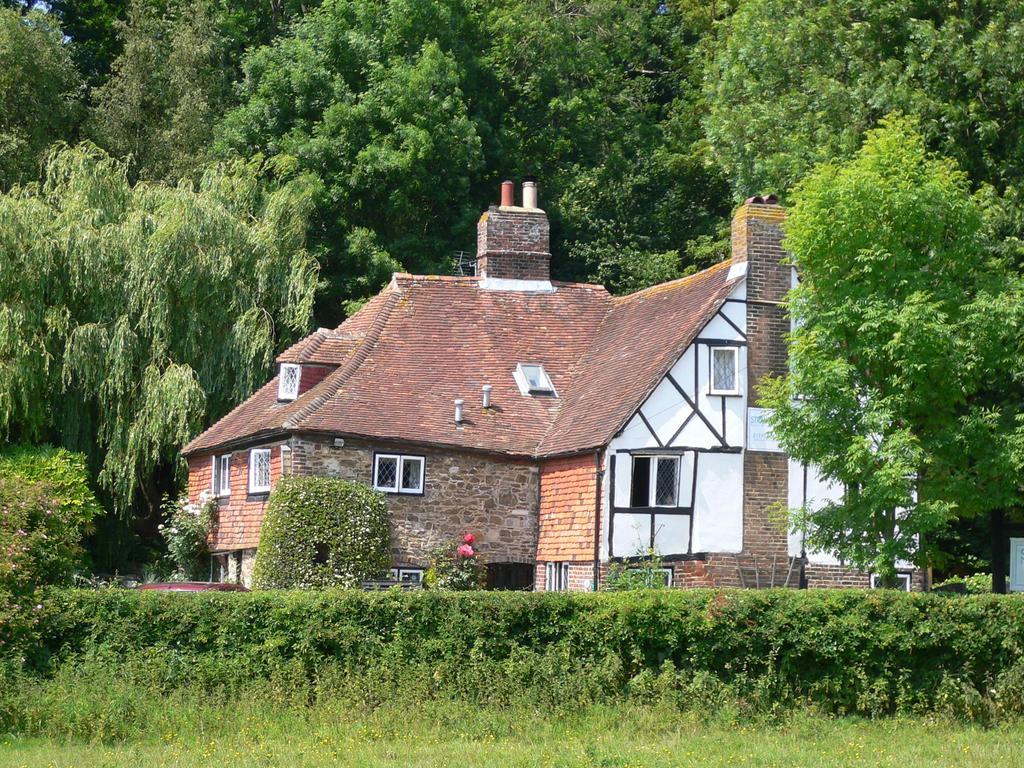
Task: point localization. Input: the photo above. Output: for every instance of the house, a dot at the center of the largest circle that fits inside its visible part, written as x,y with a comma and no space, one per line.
563,426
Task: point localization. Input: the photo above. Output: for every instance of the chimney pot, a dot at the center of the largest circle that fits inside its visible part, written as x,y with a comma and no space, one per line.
507,194
458,411
487,395
529,194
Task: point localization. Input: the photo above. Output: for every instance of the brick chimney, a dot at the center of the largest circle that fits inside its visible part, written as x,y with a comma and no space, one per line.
514,242
757,240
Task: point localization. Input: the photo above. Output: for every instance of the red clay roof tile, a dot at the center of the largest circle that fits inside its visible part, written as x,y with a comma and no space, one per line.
426,340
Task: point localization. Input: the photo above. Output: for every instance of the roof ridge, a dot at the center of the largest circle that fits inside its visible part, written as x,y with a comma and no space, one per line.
679,281
337,378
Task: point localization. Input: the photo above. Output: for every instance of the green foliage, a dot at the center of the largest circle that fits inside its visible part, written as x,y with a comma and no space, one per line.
186,533
46,507
798,82
456,566
40,93
976,583
844,651
643,573
323,532
167,89
130,315
413,110
906,330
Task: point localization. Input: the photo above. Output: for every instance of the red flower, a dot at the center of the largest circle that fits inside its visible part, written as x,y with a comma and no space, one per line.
465,550
469,538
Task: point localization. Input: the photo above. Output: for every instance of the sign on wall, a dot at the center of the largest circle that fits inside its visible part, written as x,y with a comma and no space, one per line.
1017,565
759,433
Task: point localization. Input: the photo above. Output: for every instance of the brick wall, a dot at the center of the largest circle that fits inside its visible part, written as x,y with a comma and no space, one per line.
311,376
513,243
495,499
765,483
240,514
567,496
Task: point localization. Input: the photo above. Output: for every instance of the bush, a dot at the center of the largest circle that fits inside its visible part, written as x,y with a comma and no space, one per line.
186,534
870,653
975,584
456,566
323,532
46,507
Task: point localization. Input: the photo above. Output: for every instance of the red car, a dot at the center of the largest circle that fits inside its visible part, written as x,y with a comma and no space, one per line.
194,586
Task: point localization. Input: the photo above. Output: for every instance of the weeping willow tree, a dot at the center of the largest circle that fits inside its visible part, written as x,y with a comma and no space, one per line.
131,315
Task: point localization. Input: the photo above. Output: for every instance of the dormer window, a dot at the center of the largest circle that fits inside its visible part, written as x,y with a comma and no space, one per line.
532,379
725,378
288,381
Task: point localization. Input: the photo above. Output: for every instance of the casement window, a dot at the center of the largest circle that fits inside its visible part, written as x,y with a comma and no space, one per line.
556,577
655,481
407,575
663,575
532,379
902,580
288,381
259,470
398,473
222,475
725,378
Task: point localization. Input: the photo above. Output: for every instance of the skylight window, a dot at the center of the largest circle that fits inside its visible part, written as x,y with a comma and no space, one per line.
533,379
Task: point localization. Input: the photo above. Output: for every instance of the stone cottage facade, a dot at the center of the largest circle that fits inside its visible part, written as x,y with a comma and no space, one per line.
564,427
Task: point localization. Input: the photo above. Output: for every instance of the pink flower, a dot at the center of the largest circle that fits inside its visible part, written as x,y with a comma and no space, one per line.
469,538
465,550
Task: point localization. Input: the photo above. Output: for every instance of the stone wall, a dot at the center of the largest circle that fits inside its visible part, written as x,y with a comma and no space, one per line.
496,499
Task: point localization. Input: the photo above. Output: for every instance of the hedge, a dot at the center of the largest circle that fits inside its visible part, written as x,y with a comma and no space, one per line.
845,651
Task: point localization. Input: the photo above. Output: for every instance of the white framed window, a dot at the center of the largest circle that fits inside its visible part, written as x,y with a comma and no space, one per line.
288,381
902,579
664,575
532,379
556,577
398,473
259,470
655,481
407,575
222,475
725,379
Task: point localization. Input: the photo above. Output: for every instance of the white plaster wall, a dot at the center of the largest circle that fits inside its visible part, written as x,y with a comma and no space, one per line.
718,499
718,513
819,492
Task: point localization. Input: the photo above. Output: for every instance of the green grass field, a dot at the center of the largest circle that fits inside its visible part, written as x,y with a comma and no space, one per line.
247,734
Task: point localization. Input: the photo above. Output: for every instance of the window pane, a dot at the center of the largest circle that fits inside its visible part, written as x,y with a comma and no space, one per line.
724,369
666,482
387,472
640,490
411,474
259,469
288,387
225,474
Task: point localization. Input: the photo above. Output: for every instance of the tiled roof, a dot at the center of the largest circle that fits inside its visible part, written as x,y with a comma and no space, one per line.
425,341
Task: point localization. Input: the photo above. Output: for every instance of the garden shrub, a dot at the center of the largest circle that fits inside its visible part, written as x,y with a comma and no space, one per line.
456,566
323,532
46,508
186,534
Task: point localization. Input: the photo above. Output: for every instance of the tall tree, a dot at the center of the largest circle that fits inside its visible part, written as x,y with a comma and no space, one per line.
411,112
40,93
130,315
797,82
905,367
167,89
